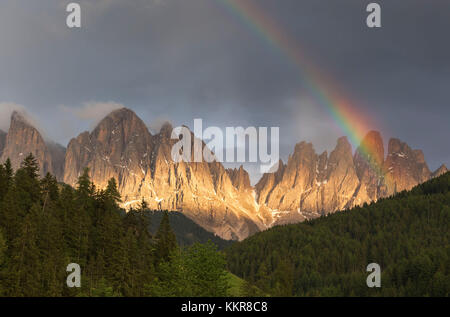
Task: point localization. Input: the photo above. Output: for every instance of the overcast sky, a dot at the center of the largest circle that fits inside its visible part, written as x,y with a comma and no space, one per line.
178,60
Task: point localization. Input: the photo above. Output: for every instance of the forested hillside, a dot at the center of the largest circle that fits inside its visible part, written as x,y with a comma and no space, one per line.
44,226
186,230
407,235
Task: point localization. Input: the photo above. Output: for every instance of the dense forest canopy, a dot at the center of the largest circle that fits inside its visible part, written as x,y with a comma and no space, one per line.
185,229
44,226
407,235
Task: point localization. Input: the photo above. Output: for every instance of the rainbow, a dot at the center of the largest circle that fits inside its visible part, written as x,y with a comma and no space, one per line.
353,124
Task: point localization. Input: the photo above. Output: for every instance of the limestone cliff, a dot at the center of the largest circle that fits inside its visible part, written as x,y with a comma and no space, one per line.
122,147
311,185
441,170
22,139
221,200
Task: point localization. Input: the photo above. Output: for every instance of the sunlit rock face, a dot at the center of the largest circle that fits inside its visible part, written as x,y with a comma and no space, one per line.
441,170
369,160
405,168
121,147
311,185
22,139
221,200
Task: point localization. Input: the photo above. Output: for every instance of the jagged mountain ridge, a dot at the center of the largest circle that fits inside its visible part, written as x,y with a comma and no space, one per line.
315,185
22,138
222,200
440,171
122,147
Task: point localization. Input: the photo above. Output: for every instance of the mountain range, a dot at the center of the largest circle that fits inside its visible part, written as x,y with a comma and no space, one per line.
221,200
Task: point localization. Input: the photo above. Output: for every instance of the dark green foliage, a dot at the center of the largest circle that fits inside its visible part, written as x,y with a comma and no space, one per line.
198,270
166,242
186,230
6,175
44,226
408,235
3,248
249,290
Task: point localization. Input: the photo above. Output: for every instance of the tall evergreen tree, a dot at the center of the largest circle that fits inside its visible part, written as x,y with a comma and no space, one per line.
30,166
24,269
12,213
8,170
27,182
51,239
166,241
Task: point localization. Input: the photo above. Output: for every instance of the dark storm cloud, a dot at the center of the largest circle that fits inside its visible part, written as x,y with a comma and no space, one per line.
186,59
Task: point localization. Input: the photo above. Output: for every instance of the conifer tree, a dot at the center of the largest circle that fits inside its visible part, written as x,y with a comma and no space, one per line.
85,188
12,213
112,193
31,166
165,239
50,239
25,266
8,170
27,182
83,216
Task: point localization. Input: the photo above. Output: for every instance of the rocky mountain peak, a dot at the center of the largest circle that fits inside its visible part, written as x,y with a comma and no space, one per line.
221,200
405,167
343,145
342,156
122,122
369,160
396,146
440,171
22,139
239,178
303,147
16,116
372,145
121,113
312,184
120,147
166,130
18,122
304,155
